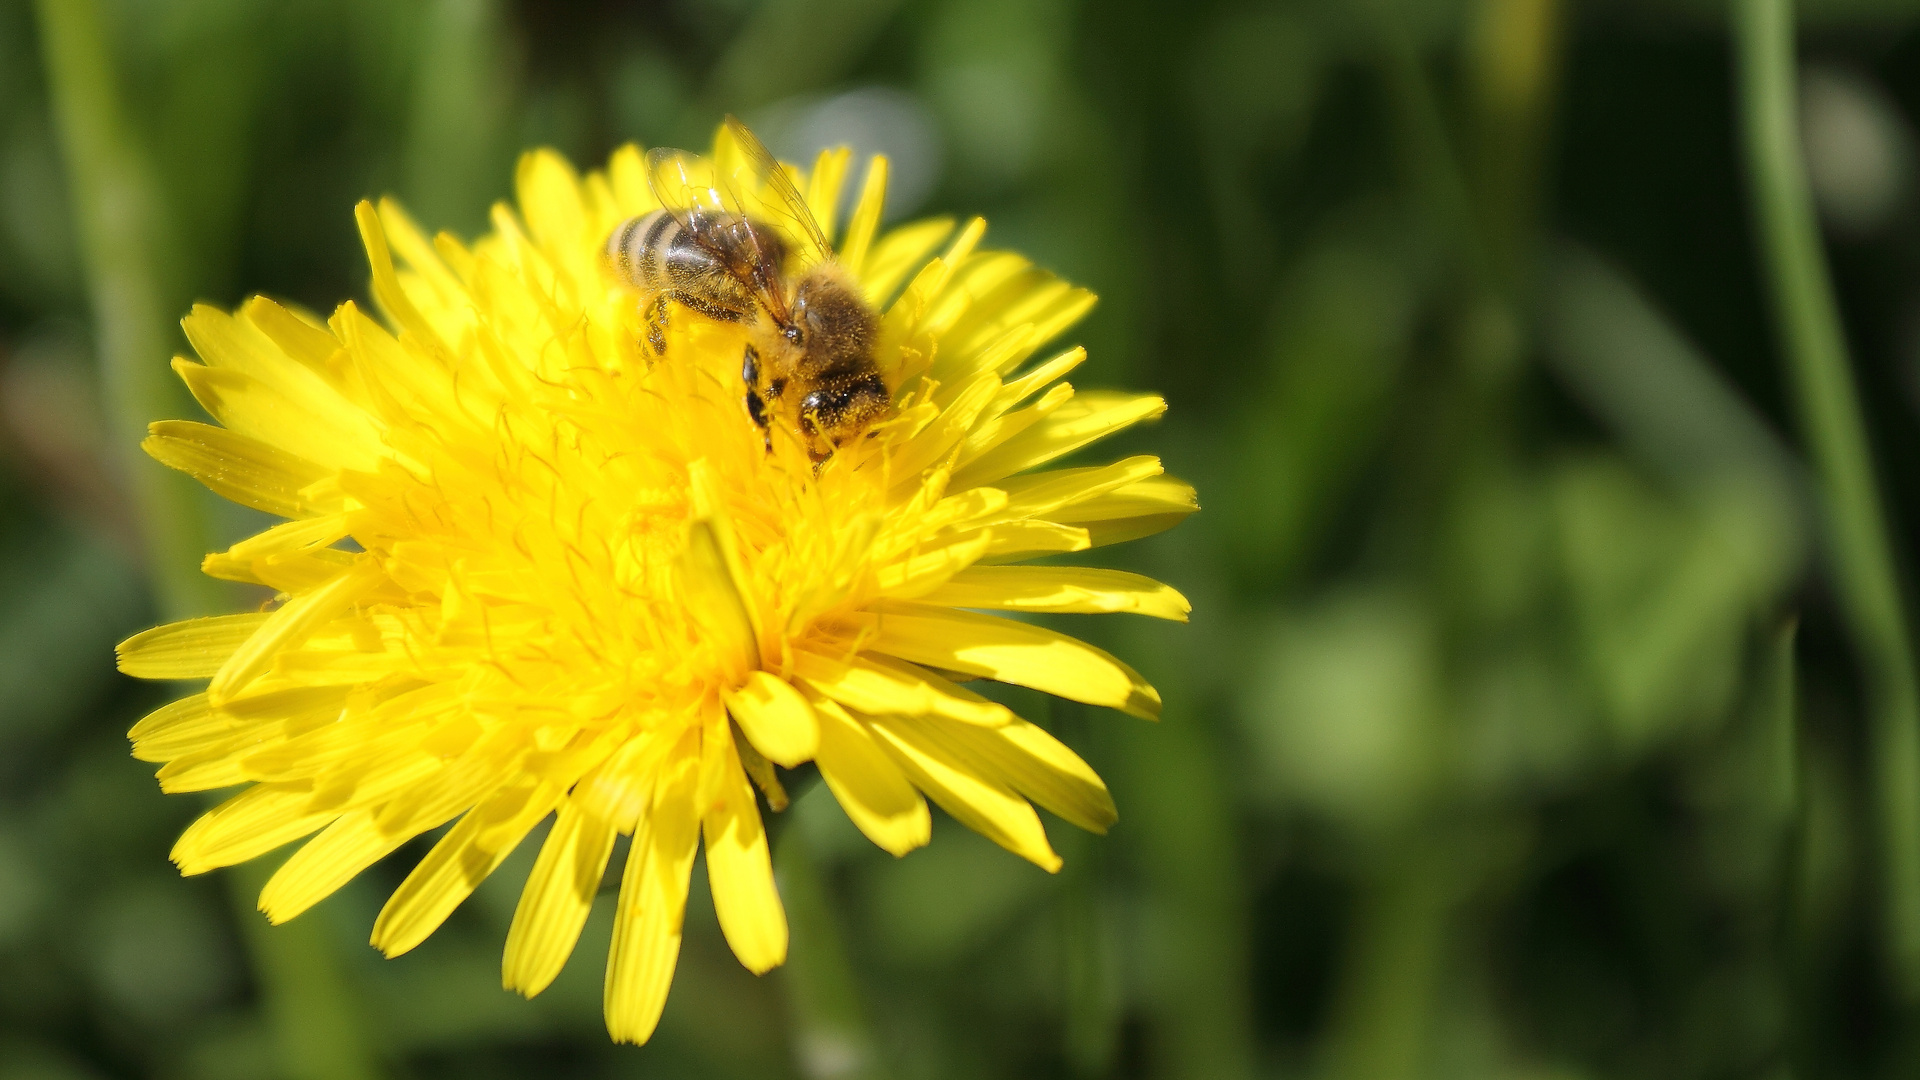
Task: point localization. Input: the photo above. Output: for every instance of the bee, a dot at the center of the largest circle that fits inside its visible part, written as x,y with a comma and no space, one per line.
809,363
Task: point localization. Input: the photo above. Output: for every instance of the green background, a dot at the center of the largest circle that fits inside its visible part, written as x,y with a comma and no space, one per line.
1523,728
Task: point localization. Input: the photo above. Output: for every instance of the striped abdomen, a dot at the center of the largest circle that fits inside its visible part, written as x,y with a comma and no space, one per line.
655,254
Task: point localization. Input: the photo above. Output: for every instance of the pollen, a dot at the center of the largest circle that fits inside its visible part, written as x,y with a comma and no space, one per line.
531,567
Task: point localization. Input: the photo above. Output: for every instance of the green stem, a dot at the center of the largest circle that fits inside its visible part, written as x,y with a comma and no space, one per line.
1859,551
1090,977
1780,716
457,150
1782,815
1091,997
1185,837
311,1009
830,1034
117,211
1384,1016
1432,168
1515,63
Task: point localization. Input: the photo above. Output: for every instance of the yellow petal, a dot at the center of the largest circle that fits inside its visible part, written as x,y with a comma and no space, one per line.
291,572
653,901
290,537
875,687
190,649
999,308
325,863
290,624
417,251
907,578
248,471
899,253
1034,763
216,766
1060,588
250,824
777,720
549,196
1012,652
738,866
1034,305
1088,417
999,429
378,782
960,407
913,312
621,790
867,783
1042,374
711,582
557,899
968,508
981,282
1028,539
457,864
824,182
866,214
1129,513
211,748
408,377
937,275
1049,494
299,339
348,742
429,800
438,798
256,389
627,175
981,803
183,727
386,284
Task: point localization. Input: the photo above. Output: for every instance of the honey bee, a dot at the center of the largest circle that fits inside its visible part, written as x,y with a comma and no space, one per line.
809,361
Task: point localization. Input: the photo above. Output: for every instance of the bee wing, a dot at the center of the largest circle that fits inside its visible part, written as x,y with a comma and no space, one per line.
687,187
712,209
776,199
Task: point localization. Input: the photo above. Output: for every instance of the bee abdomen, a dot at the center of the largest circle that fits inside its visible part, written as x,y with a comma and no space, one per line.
634,249
656,254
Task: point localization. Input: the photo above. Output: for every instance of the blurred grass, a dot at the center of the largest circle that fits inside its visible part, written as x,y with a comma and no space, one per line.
1494,748
117,211
1860,552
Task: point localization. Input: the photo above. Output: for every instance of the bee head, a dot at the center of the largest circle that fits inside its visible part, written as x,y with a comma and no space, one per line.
844,407
832,318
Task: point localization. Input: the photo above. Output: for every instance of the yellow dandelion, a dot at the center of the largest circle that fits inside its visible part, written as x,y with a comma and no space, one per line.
529,568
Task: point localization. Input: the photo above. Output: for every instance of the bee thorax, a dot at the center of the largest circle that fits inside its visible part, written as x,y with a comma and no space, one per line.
837,327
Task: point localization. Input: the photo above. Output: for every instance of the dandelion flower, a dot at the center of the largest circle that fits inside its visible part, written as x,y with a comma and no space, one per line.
528,569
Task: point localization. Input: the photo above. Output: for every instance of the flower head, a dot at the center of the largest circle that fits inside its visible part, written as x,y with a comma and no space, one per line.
529,568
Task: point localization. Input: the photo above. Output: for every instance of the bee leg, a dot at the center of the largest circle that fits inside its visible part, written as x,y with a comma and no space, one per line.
657,325
756,409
